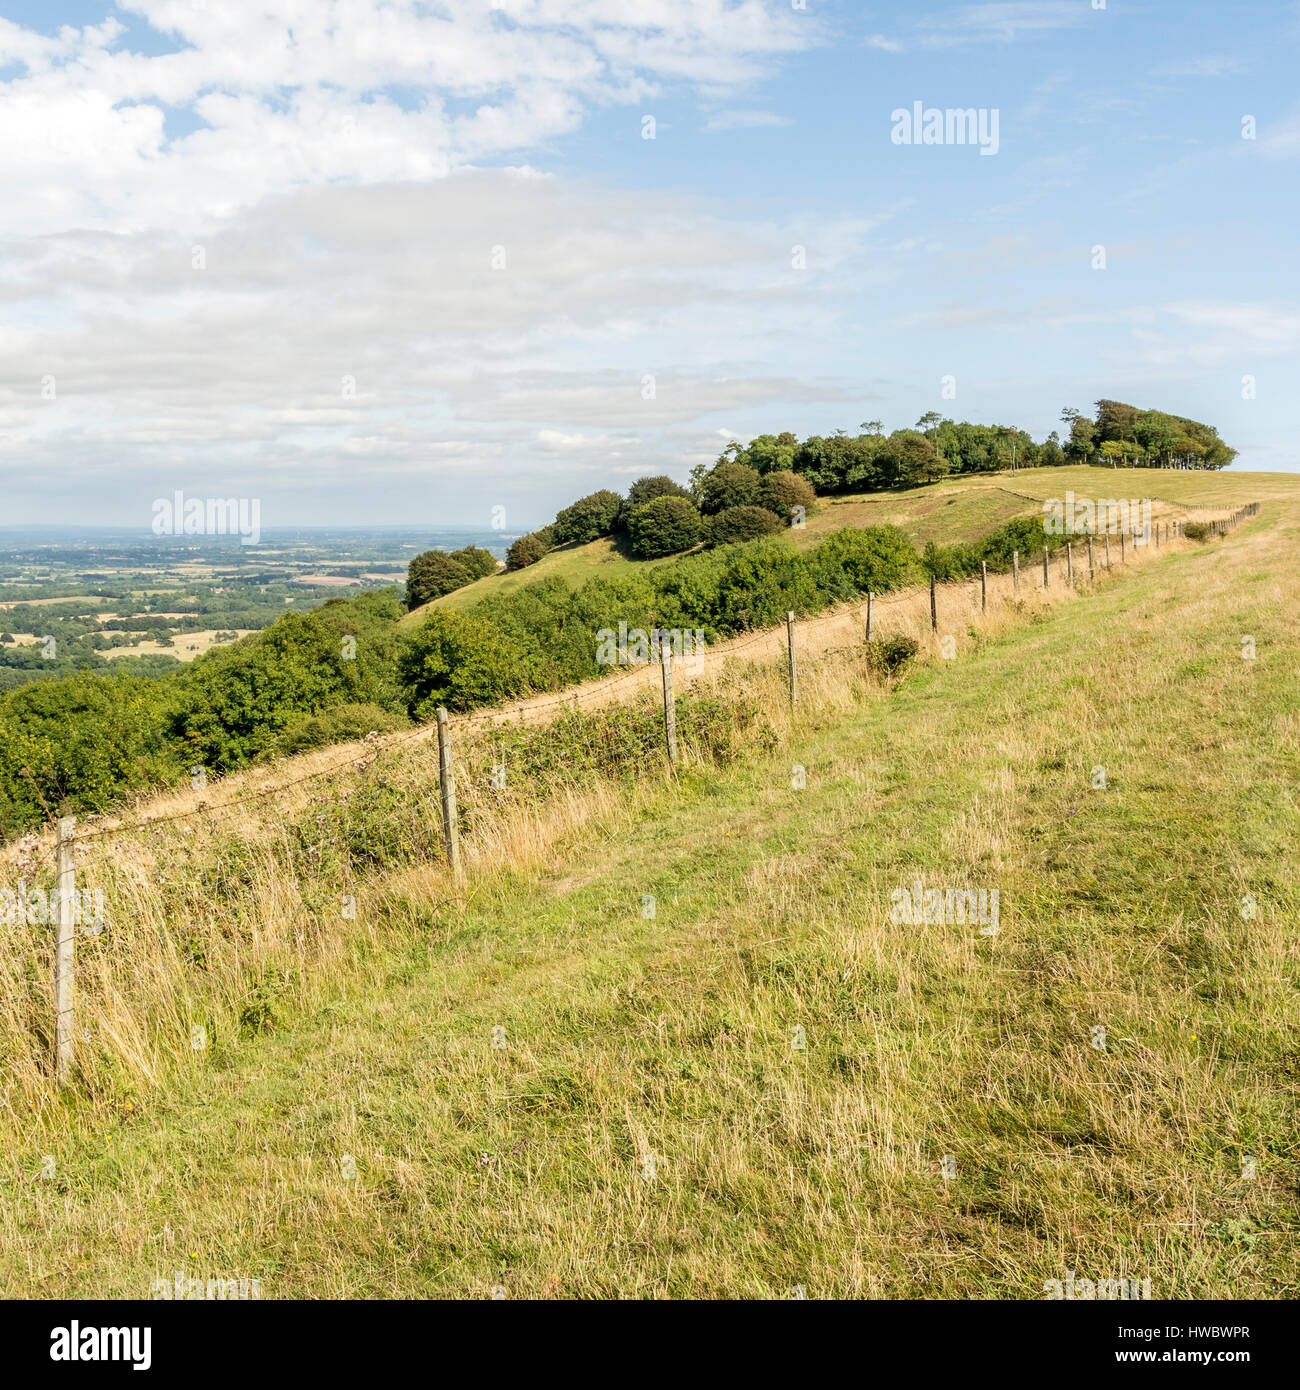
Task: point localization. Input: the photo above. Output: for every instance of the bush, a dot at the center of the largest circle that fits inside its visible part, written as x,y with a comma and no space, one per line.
459,661
663,527
888,655
1196,531
431,575
339,724
588,518
728,484
477,561
782,491
734,524
875,559
527,550
647,490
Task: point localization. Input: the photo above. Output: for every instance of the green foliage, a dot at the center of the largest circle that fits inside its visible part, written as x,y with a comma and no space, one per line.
527,550
233,702
1196,531
728,484
734,524
886,656
646,490
433,574
477,561
459,661
337,724
875,559
664,526
588,518
1025,534
78,743
781,491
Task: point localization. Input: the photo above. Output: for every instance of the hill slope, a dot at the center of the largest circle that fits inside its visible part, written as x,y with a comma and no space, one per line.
955,510
652,1126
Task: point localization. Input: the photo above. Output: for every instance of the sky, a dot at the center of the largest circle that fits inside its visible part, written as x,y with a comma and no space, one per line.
403,263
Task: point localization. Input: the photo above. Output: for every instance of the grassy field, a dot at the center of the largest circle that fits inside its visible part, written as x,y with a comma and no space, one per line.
943,513
524,1082
185,645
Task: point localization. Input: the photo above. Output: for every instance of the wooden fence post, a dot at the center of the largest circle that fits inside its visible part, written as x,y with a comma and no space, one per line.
1015,570
670,709
984,586
794,674
65,962
934,611
1069,564
871,598
1092,571
1047,578
447,783
1123,558
1107,540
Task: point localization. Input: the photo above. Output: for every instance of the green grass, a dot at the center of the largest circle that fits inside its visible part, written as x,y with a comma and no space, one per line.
525,1167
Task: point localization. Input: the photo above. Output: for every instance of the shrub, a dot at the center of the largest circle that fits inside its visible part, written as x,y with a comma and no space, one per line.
477,561
741,524
663,527
1196,531
338,724
782,491
877,558
588,518
431,575
728,484
888,655
459,661
646,490
527,550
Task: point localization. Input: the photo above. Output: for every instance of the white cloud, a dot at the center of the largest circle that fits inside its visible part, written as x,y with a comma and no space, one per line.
886,45
744,120
1001,22
290,93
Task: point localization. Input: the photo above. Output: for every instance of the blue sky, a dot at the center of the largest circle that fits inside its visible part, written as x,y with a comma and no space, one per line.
388,263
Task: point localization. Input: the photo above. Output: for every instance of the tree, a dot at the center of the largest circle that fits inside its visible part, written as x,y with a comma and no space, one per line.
929,421
527,550
478,561
431,575
734,524
782,491
458,661
728,485
663,526
646,490
909,459
588,518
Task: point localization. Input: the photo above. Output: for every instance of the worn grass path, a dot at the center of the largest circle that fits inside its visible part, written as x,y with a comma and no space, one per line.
754,1089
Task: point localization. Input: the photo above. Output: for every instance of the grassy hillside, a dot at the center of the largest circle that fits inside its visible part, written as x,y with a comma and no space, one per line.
651,1126
944,513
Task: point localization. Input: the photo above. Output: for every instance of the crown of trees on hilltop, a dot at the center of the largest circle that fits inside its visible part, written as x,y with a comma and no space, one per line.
753,490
